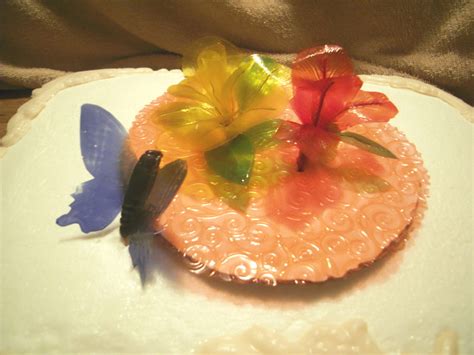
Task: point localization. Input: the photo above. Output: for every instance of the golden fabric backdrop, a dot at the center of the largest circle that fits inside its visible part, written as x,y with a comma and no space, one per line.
430,40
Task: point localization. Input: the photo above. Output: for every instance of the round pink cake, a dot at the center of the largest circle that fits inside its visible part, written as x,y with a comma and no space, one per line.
298,227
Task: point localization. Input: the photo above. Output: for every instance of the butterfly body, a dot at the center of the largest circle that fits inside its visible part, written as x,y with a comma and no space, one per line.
139,187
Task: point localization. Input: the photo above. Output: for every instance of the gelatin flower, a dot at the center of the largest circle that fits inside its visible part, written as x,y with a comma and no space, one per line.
225,93
328,99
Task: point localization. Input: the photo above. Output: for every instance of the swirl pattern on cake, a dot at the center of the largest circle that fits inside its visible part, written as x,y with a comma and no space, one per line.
299,227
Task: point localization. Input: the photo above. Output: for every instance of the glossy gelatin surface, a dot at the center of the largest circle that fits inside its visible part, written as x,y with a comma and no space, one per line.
299,226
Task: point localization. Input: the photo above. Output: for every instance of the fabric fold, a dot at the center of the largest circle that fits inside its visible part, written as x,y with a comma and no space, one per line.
428,40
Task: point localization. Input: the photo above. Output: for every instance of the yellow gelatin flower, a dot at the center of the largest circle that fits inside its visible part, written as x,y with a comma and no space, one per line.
225,92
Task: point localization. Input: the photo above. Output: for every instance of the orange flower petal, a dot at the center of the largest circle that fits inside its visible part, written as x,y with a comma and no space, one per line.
366,107
322,62
320,104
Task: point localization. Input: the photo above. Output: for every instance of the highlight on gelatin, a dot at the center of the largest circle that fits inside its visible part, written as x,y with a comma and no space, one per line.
290,174
225,105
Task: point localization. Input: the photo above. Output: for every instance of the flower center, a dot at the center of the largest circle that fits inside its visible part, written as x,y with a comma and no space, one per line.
227,119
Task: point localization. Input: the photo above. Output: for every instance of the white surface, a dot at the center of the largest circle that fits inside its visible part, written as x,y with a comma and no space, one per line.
20,123
66,294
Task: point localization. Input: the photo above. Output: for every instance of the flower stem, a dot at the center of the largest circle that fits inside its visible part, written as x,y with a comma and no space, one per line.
301,162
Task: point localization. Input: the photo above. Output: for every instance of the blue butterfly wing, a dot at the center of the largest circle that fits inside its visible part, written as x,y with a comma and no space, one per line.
96,204
98,201
140,249
102,139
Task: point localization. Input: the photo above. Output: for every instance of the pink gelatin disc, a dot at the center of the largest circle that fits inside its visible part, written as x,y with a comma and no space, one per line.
298,227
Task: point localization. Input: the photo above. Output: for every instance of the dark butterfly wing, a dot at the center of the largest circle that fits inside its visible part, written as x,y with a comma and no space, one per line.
140,229
139,186
97,202
169,180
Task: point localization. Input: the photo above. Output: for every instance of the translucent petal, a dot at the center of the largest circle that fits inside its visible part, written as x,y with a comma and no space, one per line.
261,77
322,62
214,137
236,94
317,144
194,58
211,79
183,113
366,107
213,71
252,118
235,195
320,103
191,89
197,126
305,103
338,96
250,96
262,135
261,91
234,160
288,132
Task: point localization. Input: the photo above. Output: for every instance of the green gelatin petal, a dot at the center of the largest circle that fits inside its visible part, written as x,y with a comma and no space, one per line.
233,160
262,135
236,196
366,144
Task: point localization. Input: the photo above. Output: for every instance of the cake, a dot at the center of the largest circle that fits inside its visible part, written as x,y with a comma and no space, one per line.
66,291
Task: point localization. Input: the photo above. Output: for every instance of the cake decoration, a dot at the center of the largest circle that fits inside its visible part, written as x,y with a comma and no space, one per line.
349,337
327,99
222,97
98,201
224,104
280,190
148,193
51,275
